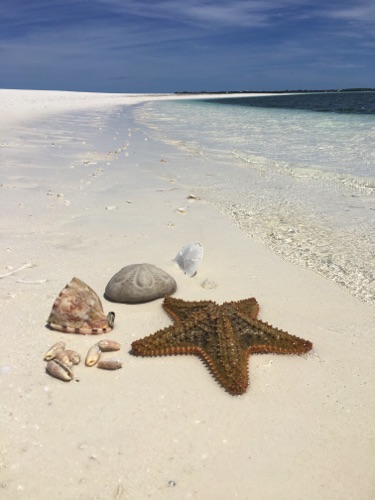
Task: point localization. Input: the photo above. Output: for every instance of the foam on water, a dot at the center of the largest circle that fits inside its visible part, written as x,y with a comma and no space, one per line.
301,182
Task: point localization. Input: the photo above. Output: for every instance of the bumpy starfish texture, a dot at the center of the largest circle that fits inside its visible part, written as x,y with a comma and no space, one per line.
222,335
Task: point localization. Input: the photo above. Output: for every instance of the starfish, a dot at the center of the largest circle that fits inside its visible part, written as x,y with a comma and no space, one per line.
222,335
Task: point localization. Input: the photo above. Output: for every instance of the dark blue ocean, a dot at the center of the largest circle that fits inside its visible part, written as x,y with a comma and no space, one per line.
323,102
295,171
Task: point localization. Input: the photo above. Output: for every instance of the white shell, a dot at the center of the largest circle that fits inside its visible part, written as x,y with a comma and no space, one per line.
93,355
190,257
53,350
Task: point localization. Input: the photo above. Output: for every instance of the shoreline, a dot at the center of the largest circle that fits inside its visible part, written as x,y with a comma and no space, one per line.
162,427
297,224
46,102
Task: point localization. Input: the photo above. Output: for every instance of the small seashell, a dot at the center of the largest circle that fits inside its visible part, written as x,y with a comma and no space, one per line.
109,345
109,364
140,283
78,309
53,350
93,355
58,370
208,284
63,357
74,357
189,257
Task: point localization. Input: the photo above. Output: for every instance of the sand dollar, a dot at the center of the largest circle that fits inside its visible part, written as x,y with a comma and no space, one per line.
140,283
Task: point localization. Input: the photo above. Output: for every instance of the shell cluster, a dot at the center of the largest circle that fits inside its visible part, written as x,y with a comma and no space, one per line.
93,356
60,361
78,309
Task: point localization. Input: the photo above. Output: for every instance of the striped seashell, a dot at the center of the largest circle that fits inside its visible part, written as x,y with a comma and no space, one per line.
78,309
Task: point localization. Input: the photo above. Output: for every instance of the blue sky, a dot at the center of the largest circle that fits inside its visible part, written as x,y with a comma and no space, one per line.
186,45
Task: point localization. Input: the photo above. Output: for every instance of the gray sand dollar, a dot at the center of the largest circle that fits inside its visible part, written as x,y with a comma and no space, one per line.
140,283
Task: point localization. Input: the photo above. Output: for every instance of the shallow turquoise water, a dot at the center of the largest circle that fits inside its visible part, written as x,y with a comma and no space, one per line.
300,181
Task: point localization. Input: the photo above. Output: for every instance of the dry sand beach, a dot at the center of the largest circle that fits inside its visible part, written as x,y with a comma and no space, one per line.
85,192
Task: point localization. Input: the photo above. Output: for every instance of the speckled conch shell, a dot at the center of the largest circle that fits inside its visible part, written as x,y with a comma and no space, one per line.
78,309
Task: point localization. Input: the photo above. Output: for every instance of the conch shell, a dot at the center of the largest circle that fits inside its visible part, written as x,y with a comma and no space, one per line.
78,309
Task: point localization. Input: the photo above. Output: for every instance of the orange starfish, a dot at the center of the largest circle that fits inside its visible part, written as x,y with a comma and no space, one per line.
222,335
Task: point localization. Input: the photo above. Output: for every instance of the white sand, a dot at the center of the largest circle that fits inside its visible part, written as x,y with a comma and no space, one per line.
161,427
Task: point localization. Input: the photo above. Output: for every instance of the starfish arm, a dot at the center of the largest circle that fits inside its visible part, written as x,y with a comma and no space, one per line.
231,357
247,307
182,335
260,337
216,372
235,386
180,310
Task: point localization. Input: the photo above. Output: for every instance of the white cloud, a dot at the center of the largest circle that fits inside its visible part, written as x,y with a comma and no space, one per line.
363,13
207,14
